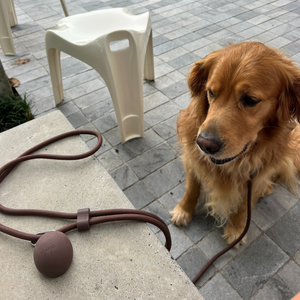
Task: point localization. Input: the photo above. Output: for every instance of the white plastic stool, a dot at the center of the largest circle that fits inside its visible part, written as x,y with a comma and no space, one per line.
90,38
7,19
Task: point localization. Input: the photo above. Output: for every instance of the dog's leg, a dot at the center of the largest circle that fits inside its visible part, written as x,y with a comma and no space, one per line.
182,213
237,222
235,226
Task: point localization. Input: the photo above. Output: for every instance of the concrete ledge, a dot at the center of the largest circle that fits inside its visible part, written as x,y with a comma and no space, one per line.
121,260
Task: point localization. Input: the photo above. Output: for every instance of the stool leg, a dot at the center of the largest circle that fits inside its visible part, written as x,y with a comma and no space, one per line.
123,75
149,61
12,14
64,6
6,39
55,73
127,98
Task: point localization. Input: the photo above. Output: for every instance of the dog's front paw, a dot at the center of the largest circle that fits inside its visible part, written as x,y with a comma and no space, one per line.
231,233
180,216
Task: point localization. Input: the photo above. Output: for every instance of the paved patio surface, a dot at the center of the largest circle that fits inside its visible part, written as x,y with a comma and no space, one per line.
149,170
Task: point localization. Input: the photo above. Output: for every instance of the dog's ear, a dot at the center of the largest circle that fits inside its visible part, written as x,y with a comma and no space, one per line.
289,99
198,75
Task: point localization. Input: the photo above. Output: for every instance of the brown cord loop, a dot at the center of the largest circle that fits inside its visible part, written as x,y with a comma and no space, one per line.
83,219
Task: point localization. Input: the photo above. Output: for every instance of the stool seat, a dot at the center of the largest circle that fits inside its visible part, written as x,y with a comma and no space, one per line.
95,38
85,28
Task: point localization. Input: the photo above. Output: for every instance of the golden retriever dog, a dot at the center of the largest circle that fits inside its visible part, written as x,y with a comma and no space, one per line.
242,120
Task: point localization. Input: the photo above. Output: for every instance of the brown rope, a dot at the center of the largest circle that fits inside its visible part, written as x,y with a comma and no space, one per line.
212,260
86,218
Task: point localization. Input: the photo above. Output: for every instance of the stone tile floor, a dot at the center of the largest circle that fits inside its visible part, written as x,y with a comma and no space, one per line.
149,170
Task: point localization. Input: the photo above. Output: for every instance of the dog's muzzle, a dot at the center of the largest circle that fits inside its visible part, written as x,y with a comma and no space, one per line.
225,160
210,144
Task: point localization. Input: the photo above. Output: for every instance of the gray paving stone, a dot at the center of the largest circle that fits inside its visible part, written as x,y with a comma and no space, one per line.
268,25
85,88
135,147
285,231
71,66
192,262
213,243
232,39
104,147
98,110
219,288
188,38
68,108
34,84
18,70
180,241
156,209
159,40
172,198
78,79
113,136
170,55
199,43
161,113
162,48
236,11
110,160
199,25
163,69
297,257
139,195
176,89
167,128
148,88
265,37
32,75
247,15
207,49
200,226
258,19
106,123
168,28
251,32
271,208
124,176
176,76
162,83
42,106
41,93
258,263
184,100
240,27
154,100
87,137
183,60
78,119
290,16
285,285
166,178
151,160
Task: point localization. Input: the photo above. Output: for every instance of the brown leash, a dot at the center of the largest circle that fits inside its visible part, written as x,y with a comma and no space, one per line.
53,250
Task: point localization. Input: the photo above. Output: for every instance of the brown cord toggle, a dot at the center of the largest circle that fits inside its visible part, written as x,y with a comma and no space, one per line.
83,219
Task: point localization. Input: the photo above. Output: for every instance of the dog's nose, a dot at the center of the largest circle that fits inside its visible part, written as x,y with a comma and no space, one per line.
209,143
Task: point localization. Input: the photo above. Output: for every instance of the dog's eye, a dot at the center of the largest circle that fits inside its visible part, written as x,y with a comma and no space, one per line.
248,101
211,94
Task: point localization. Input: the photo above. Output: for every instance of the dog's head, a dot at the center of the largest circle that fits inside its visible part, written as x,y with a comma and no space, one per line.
239,91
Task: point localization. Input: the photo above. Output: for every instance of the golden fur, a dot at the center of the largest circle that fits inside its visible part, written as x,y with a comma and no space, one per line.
221,85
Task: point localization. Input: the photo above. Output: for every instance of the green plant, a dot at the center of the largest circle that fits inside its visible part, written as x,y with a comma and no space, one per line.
14,110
